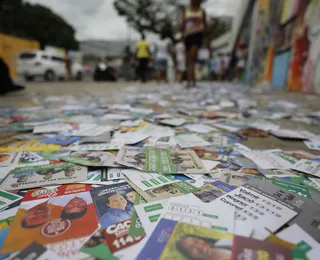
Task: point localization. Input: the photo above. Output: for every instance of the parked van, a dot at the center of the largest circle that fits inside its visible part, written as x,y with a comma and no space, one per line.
50,67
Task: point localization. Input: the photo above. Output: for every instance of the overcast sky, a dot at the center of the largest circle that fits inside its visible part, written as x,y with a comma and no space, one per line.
97,19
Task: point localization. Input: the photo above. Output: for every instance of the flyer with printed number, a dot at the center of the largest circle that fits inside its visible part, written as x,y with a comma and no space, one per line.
160,160
44,175
146,181
51,215
257,209
114,203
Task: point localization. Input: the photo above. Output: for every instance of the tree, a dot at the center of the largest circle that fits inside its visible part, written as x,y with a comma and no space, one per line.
154,16
38,23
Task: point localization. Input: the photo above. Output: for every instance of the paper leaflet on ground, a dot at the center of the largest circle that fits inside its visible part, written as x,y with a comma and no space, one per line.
268,159
92,130
128,138
313,145
307,219
7,198
88,158
307,166
63,211
43,175
173,121
257,209
296,235
200,128
7,159
52,128
115,174
167,191
180,241
160,160
190,140
146,181
104,138
61,139
95,147
35,251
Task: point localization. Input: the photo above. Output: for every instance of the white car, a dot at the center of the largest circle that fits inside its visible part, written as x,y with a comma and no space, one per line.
50,67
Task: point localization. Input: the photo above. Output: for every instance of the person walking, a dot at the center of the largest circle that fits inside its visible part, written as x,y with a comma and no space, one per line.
68,63
195,30
143,55
164,48
181,60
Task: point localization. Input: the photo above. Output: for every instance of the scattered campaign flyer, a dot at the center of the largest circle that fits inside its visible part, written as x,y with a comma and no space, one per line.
211,191
167,191
146,181
52,128
257,209
30,157
92,131
87,158
296,235
7,198
128,138
61,139
160,160
190,140
187,209
30,145
95,147
307,166
180,241
234,178
104,138
50,215
200,128
136,228
35,251
149,214
206,153
114,203
7,159
313,145
173,121
44,175
267,159
307,219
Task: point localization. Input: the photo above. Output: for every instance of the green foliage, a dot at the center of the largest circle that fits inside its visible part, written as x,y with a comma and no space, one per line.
39,23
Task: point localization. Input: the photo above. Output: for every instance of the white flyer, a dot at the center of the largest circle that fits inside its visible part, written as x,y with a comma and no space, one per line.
128,138
94,147
116,117
257,209
130,123
173,121
188,209
52,128
200,128
149,214
267,159
92,131
190,140
146,181
307,166
288,133
296,235
209,165
313,145
157,131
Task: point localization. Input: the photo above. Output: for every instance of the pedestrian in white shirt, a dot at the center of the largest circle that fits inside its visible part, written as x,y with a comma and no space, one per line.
181,60
164,48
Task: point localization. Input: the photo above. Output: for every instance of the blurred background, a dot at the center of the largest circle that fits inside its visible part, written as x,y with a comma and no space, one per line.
272,42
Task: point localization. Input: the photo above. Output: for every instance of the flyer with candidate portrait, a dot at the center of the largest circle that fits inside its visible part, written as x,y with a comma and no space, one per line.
87,158
114,203
161,160
44,175
7,159
234,178
51,215
180,241
165,192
